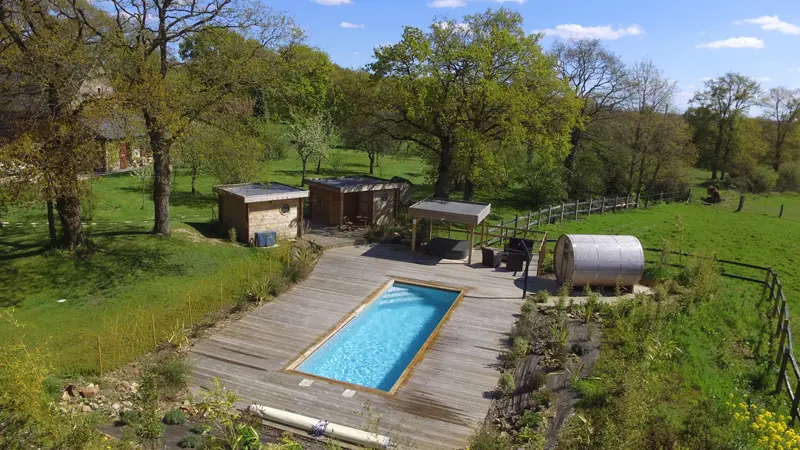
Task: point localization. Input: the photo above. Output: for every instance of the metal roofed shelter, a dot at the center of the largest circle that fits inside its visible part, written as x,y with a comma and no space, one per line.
468,213
253,207
372,200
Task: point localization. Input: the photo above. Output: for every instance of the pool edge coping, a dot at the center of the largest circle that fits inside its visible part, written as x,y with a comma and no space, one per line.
418,357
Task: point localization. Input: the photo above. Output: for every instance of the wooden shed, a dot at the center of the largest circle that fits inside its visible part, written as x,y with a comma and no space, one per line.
255,207
364,199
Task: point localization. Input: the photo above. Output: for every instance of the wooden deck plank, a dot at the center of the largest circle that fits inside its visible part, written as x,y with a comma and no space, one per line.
447,394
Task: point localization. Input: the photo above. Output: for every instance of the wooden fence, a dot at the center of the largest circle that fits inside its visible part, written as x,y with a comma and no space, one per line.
521,225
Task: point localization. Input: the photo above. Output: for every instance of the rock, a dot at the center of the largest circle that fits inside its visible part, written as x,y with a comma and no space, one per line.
86,408
134,388
89,391
127,404
65,396
116,406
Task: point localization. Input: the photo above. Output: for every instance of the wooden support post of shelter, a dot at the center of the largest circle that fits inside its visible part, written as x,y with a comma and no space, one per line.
300,218
430,230
483,234
413,234
470,243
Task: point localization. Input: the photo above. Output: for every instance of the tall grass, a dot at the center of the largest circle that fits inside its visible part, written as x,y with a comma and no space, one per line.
137,328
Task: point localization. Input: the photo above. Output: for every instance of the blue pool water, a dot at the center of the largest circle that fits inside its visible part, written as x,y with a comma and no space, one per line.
377,345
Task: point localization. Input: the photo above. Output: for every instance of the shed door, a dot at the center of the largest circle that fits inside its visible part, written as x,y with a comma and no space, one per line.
363,204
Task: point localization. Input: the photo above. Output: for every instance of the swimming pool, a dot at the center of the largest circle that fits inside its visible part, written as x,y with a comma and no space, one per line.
379,342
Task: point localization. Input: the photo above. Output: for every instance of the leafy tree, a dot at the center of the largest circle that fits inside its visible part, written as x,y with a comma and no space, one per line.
310,138
460,89
357,115
51,100
782,111
597,76
301,85
726,99
151,80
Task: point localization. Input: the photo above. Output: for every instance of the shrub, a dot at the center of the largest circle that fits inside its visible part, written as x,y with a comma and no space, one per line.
488,437
531,419
534,380
519,349
200,428
172,372
529,307
763,179
541,297
192,441
287,443
148,425
174,417
128,417
232,235
700,279
507,386
788,178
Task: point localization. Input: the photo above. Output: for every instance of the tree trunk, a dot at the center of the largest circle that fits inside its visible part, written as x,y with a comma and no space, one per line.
717,150
319,167
303,176
194,180
469,190
51,224
162,170
574,139
69,211
371,163
441,188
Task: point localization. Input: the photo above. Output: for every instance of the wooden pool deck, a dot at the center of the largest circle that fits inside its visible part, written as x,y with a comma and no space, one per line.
441,402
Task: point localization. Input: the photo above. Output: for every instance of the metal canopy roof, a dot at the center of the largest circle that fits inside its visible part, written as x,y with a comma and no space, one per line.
450,210
355,184
261,192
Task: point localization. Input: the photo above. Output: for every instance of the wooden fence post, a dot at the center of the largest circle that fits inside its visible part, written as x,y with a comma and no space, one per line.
99,356
661,197
646,201
549,215
741,204
191,321
781,317
782,372
627,200
772,294
616,200
795,402
516,224
766,283
590,207
781,213
153,322
784,327
562,213
527,226
603,206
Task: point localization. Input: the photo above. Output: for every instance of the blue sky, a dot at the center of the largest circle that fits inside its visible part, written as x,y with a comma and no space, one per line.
689,40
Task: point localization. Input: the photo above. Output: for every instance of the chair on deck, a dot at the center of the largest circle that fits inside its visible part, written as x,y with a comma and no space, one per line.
518,251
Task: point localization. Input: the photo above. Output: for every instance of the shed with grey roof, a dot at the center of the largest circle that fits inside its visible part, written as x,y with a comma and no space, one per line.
470,214
254,207
357,199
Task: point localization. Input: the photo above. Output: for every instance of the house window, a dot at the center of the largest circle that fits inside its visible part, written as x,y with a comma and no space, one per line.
285,208
384,196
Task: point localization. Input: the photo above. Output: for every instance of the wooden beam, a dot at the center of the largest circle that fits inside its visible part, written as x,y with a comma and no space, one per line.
430,229
413,234
469,247
341,208
300,217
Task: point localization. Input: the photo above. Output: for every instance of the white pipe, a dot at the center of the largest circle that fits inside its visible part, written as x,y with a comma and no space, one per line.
340,432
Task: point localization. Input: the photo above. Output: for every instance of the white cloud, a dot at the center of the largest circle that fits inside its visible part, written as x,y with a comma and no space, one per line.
771,23
763,79
575,31
460,3
333,2
356,53
351,25
734,42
